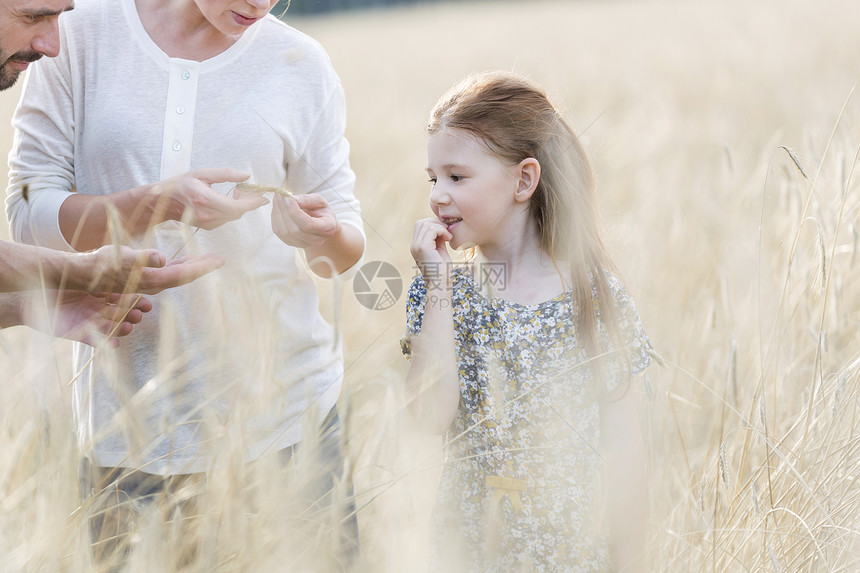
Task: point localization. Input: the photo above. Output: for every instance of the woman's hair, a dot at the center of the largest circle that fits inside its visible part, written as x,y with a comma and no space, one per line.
515,120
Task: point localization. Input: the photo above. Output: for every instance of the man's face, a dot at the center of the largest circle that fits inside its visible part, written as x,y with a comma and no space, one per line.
28,31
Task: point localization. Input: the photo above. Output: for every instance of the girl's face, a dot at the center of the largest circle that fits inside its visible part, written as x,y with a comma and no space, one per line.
473,192
233,17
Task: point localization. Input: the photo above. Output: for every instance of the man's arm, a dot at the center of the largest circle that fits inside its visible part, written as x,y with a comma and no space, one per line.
108,269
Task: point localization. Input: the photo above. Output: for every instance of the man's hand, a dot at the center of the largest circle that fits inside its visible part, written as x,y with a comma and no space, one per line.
122,269
81,316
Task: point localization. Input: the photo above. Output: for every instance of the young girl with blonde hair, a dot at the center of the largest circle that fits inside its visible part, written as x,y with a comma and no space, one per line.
525,355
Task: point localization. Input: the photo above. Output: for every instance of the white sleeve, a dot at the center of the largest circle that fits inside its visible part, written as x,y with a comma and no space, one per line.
41,162
323,165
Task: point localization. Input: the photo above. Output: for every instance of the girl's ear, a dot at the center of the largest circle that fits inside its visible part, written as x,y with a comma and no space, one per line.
528,171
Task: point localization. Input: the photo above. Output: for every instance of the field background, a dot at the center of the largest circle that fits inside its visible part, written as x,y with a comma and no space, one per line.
724,137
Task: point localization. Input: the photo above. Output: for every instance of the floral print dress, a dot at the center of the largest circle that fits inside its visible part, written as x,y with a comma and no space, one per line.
521,485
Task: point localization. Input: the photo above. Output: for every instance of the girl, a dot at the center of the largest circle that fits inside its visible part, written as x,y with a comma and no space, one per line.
525,356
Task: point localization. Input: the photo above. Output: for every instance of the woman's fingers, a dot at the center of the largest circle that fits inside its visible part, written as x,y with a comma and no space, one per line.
303,220
212,175
210,209
309,201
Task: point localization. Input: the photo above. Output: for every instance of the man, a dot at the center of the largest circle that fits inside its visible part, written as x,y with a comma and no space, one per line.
28,31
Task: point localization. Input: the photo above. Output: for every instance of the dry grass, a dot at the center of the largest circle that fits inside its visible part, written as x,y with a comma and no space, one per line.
724,135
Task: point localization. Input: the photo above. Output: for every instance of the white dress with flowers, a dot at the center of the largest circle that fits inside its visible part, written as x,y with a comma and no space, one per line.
521,485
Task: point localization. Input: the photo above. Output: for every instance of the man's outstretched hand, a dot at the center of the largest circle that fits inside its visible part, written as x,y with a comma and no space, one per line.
123,269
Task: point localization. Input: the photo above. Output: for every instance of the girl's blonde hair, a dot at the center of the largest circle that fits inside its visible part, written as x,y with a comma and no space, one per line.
515,119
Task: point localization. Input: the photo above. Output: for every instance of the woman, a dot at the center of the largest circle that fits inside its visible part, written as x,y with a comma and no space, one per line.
235,365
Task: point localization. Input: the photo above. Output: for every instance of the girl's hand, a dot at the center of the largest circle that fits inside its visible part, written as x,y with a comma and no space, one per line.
303,221
428,246
190,197
433,384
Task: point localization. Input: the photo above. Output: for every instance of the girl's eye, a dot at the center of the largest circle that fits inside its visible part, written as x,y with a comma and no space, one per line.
455,178
432,180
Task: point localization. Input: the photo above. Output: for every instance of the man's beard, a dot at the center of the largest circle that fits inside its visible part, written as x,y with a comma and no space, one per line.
8,76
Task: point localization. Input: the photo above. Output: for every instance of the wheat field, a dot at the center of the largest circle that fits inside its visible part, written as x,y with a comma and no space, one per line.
725,137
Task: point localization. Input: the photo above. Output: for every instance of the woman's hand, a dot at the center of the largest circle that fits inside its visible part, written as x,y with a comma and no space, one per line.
308,222
303,220
190,198
86,220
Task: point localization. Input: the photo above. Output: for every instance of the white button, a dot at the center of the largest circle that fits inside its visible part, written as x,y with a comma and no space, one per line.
180,109
186,75
177,146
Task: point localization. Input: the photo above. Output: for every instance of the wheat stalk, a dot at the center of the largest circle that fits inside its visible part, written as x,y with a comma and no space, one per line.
255,188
